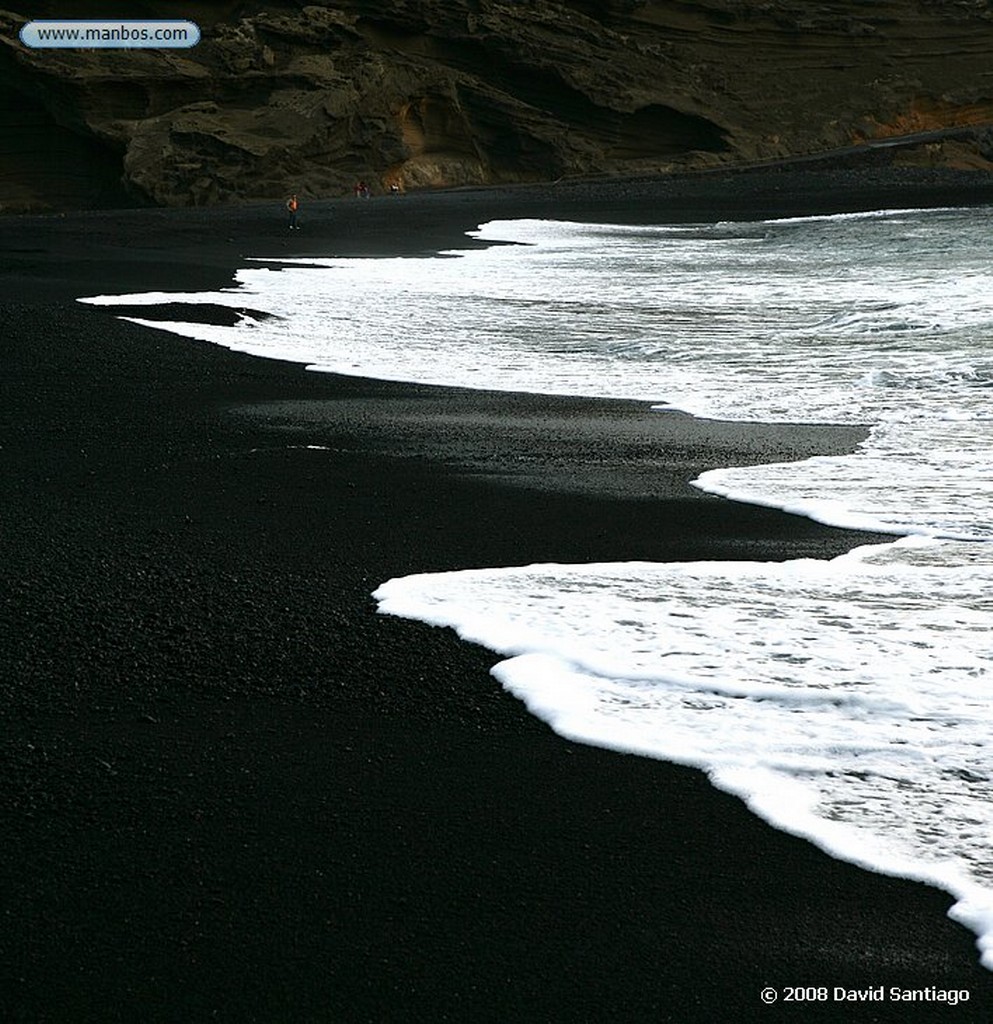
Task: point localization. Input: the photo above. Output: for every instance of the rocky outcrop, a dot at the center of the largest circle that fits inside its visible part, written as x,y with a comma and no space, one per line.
311,97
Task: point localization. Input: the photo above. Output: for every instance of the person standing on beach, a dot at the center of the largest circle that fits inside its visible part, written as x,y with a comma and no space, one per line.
291,207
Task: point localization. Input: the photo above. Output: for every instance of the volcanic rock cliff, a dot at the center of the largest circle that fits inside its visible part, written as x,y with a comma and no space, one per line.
312,96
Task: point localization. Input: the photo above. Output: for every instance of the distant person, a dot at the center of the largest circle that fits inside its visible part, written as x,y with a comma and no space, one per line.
394,188
361,190
292,205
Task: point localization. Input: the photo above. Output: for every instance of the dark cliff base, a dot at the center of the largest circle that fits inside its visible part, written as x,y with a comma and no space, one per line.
231,791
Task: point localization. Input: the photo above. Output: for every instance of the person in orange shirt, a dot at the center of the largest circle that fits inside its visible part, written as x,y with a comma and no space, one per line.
292,205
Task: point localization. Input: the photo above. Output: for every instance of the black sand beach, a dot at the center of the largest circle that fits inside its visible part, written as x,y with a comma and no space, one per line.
231,791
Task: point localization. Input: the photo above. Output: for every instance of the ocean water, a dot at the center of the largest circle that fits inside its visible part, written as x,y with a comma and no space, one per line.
847,701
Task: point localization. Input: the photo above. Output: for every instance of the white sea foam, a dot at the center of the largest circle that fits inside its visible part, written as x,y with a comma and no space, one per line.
880,318
846,701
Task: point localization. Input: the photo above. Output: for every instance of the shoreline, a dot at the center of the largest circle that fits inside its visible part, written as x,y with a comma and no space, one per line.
197,248
233,791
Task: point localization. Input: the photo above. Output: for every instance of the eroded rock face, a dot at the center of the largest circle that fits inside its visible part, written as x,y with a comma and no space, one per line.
288,96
